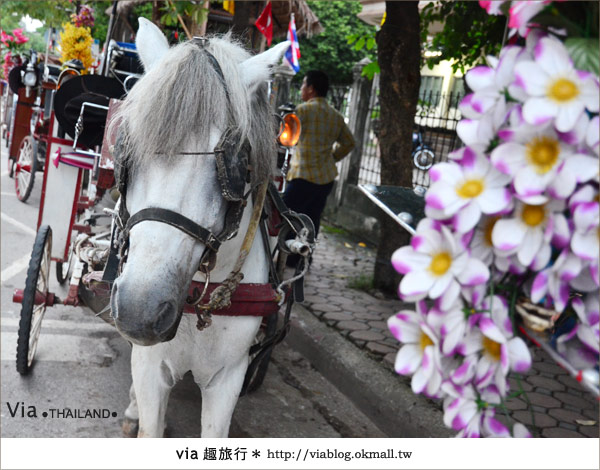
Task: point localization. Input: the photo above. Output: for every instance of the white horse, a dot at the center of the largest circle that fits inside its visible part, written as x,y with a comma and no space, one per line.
174,118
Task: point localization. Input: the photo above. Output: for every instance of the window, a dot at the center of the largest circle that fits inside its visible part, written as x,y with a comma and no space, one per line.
430,90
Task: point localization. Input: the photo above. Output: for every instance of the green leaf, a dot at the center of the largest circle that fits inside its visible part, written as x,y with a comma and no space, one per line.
370,43
550,18
359,44
584,53
370,70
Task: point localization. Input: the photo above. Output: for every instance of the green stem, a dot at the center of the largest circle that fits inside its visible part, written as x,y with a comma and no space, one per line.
533,426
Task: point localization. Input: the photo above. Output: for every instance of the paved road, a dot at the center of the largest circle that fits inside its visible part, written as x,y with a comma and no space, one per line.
82,363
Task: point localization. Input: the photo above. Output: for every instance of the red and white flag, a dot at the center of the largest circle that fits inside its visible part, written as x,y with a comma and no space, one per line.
264,23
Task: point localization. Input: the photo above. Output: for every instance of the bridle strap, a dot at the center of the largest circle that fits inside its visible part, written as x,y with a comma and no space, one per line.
176,220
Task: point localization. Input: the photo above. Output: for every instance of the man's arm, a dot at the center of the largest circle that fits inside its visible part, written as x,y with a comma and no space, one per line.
344,143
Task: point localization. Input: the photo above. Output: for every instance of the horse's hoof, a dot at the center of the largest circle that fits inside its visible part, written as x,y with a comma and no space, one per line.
130,427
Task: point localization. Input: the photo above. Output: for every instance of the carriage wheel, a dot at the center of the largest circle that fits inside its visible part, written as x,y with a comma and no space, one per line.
36,285
256,375
11,167
25,169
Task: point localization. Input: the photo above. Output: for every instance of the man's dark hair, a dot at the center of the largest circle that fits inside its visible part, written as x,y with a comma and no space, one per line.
319,81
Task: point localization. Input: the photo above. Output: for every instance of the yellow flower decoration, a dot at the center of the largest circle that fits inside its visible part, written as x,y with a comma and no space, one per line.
76,43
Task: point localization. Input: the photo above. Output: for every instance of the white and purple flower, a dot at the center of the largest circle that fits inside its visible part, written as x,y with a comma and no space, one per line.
500,351
419,356
529,231
436,265
536,161
466,191
556,90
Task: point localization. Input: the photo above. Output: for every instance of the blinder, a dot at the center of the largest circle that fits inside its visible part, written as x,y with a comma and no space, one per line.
232,165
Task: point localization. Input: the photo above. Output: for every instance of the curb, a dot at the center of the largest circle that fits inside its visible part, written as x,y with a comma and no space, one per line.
380,395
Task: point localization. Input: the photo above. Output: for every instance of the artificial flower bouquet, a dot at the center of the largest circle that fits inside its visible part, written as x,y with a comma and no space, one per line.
511,230
12,48
76,43
85,17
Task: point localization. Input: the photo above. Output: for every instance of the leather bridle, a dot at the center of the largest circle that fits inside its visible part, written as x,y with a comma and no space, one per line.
232,172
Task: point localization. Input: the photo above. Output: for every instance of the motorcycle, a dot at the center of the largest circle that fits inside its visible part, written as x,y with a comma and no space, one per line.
422,154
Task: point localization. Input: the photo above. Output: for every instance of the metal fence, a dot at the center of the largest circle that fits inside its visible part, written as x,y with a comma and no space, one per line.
436,119
370,164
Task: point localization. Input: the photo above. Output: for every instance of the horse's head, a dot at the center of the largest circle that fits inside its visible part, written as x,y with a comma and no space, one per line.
173,119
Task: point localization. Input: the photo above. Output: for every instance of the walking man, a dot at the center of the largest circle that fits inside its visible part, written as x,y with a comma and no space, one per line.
325,139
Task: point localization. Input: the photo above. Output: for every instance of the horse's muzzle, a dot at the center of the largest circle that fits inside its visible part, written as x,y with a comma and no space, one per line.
146,323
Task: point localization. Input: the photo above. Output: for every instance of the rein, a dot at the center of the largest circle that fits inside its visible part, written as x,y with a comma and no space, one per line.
221,297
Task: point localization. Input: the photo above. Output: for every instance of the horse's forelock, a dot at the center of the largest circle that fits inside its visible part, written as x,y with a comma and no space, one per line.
182,95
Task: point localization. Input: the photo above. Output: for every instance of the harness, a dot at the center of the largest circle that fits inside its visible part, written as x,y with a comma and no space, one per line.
229,297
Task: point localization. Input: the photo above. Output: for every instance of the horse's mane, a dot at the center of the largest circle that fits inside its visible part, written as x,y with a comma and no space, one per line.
182,95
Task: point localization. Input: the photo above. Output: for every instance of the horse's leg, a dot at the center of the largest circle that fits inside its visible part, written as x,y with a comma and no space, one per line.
132,418
152,381
219,397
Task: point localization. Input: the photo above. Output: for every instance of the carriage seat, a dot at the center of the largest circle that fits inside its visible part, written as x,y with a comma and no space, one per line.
71,97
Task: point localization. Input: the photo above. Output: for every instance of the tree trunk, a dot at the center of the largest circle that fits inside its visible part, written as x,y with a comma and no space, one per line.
399,54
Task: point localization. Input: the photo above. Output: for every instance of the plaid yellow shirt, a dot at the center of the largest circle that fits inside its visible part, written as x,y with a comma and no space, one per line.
324,140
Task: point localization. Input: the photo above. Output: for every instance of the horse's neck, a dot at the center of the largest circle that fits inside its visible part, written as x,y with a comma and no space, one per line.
255,268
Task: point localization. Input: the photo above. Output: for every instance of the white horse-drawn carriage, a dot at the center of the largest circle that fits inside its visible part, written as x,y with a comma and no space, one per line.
188,264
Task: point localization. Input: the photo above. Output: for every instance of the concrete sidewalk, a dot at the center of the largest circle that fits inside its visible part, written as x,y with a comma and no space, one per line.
343,332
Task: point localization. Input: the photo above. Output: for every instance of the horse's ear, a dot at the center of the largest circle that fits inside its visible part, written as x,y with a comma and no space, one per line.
255,70
150,42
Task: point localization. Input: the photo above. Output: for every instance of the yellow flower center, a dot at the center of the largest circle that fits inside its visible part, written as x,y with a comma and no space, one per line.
542,152
491,348
425,341
563,90
488,229
470,189
533,215
440,263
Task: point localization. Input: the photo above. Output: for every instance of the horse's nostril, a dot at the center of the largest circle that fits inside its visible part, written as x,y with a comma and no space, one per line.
166,317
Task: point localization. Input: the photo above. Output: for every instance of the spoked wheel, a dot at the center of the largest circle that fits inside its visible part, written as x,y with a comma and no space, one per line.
259,363
34,300
25,169
423,158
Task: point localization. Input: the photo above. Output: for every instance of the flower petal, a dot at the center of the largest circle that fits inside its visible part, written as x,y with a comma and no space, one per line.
408,359
423,373
404,327
507,234
494,200
531,244
518,355
475,273
489,329
568,115
406,260
480,77
416,284
466,218
507,158
552,56
538,111
531,77
520,431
